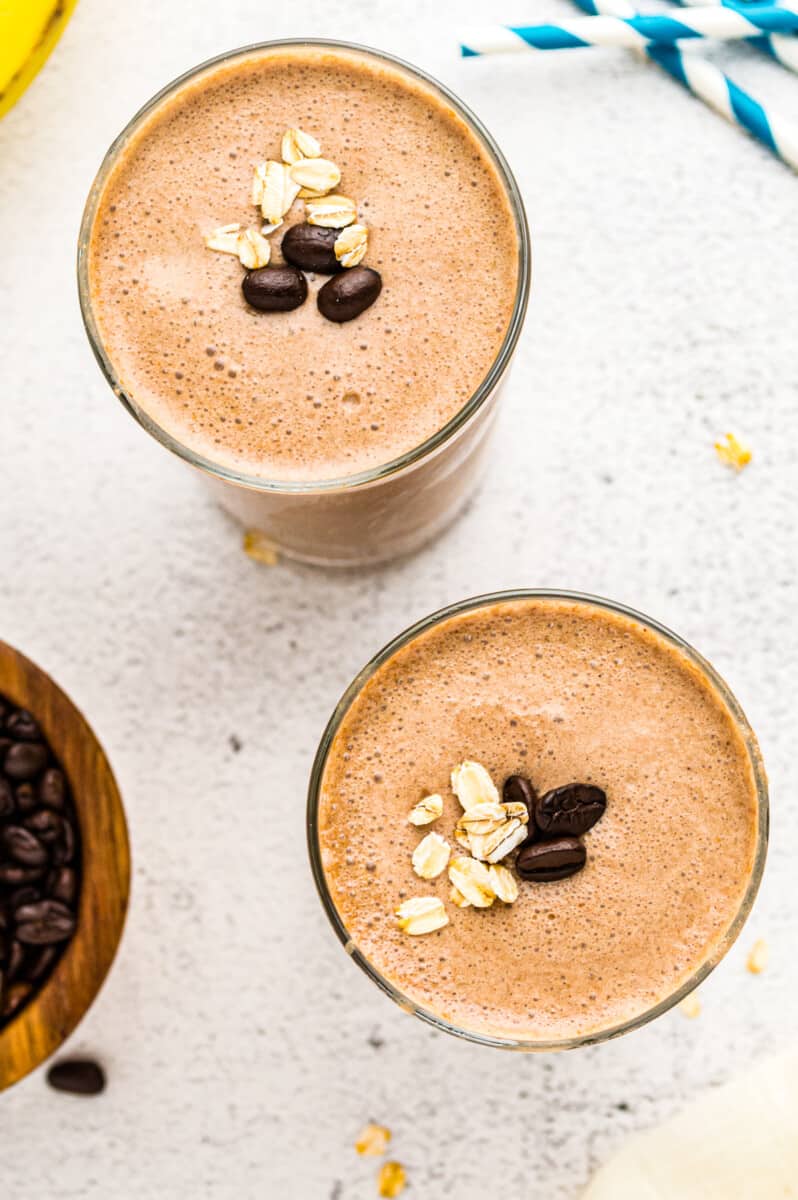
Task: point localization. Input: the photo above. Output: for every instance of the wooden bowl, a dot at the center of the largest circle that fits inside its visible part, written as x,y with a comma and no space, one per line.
43,1024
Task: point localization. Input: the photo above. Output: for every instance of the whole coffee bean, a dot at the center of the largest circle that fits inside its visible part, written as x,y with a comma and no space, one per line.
40,966
24,895
572,809
23,727
518,790
6,798
311,248
81,1076
543,862
26,798
275,289
16,957
63,851
43,923
62,884
14,875
24,760
52,788
23,846
349,294
46,824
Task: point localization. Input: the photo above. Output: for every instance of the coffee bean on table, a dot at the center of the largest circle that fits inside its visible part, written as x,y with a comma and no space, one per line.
572,809
347,295
311,247
544,862
518,790
80,1076
275,289
24,760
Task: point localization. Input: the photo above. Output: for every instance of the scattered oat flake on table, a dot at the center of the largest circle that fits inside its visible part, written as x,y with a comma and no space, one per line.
733,453
690,1006
373,1140
260,548
758,958
391,1179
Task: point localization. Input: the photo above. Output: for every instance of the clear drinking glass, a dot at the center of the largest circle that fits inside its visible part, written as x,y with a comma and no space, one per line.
376,514
720,949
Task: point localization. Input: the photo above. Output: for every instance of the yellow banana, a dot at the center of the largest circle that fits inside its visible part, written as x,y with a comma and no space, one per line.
28,31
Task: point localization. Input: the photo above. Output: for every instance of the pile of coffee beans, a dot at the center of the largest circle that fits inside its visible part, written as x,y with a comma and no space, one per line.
312,248
557,820
39,859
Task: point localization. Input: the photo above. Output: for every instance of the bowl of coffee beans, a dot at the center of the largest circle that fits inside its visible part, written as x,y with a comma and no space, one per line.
64,866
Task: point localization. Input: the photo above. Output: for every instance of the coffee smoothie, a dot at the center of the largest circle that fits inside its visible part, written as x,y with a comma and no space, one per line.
538,819
301,265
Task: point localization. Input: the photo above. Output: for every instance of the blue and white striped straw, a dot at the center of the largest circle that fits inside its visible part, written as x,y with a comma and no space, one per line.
709,84
720,22
784,48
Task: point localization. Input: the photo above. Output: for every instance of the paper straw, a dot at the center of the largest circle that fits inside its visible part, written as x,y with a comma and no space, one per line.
743,21
709,84
783,49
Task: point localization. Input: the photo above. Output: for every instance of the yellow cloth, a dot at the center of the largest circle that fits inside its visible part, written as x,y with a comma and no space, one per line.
737,1142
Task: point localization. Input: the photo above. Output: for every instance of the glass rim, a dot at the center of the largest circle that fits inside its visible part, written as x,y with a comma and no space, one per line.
720,948
436,440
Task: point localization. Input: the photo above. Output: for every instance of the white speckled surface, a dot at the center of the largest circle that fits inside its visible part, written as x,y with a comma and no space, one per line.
243,1050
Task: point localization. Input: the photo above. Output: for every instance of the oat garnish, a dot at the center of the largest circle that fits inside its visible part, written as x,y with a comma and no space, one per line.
472,784
268,227
458,899
427,810
691,1006
260,548
493,847
733,453
351,245
277,193
391,1179
504,884
472,880
758,958
373,1140
431,856
319,175
422,914
297,144
224,239
253,249
481,818
331,212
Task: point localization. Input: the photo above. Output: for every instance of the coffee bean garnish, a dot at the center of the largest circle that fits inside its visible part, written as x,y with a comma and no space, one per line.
275,289
347,295
39,860
572,809
518,790
543,862
80,1076
311,247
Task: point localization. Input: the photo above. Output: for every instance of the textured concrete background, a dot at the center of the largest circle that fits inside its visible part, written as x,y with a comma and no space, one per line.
243,1050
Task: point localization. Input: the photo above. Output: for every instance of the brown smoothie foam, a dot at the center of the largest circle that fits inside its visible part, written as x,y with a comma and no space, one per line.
560,692
292,396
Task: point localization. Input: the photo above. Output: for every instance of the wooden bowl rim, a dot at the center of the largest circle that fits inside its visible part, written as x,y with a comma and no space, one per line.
54,1012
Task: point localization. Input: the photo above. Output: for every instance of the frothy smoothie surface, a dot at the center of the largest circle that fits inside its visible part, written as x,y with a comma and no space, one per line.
557,691
290,395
